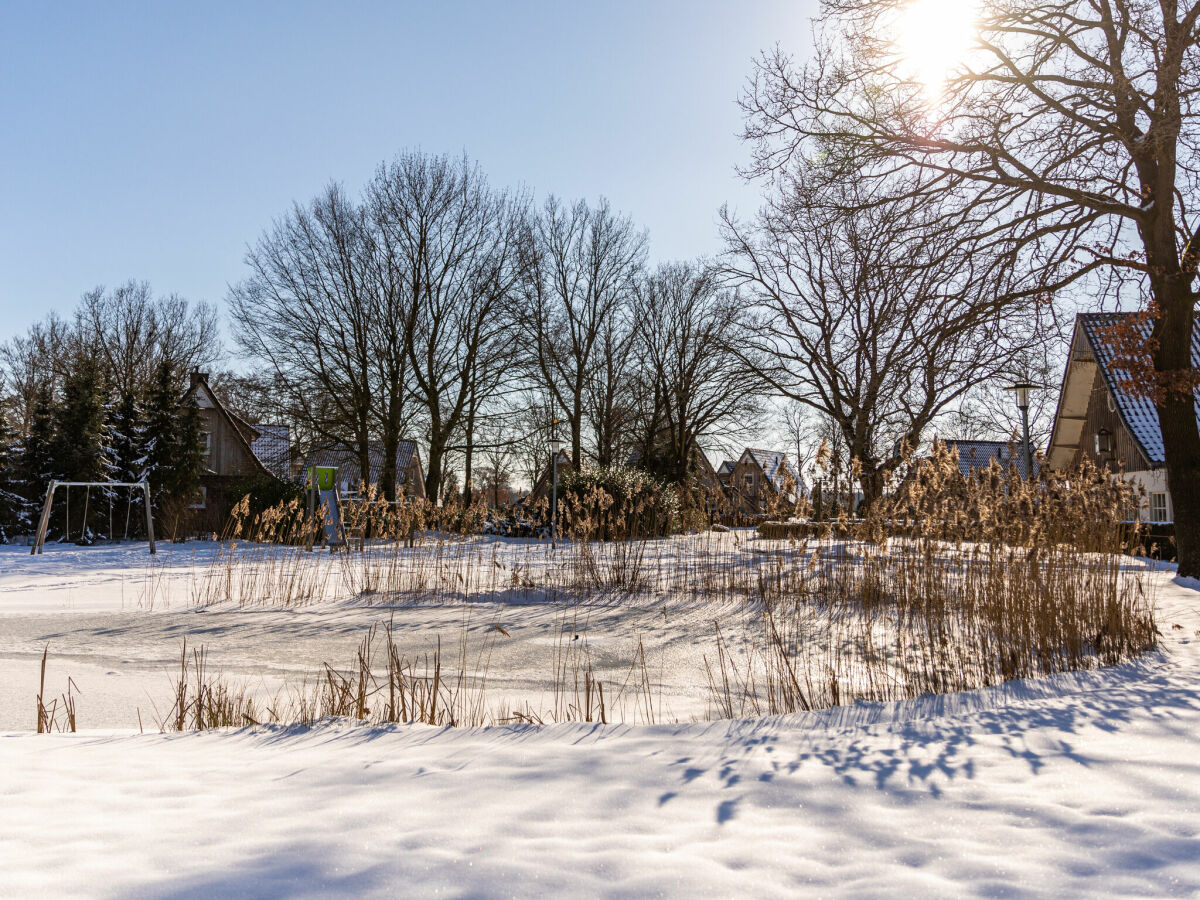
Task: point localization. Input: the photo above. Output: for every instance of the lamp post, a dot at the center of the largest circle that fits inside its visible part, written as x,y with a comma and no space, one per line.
1022,389
555,446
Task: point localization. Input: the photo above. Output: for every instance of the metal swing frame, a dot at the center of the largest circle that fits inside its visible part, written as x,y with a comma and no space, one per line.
39,540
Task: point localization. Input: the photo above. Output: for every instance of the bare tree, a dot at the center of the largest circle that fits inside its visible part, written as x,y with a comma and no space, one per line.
1071,127
610,392
307,311
580,265
453,243
874,317
34,364
132,332
699,373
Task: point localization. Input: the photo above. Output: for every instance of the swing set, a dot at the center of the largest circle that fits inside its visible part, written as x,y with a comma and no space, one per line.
44,523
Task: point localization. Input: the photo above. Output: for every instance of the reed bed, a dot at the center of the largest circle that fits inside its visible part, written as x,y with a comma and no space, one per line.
950,583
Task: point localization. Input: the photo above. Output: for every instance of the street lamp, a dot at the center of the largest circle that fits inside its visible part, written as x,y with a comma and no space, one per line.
1022,389
555,446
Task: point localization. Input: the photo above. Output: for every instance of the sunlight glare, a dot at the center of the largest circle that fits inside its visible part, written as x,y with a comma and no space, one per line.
934,36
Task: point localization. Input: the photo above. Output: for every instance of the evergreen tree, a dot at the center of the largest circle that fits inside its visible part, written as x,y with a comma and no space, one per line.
159,434
35,466
189,458
12,504
172,443
127,451
81,440
77,449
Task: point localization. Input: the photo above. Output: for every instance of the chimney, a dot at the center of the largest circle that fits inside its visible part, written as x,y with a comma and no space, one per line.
198,377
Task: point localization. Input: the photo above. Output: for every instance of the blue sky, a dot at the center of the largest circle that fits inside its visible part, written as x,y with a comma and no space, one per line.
154,141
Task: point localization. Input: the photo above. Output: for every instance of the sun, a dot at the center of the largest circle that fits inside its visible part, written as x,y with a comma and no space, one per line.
933,37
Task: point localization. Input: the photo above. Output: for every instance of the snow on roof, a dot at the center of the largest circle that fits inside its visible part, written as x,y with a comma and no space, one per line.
346,459
976,455
726,467
1136,411
273,449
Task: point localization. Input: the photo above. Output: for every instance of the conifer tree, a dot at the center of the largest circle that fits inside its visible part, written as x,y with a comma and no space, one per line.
127,451
81,439
35,466
12,504
159,433
172,442
80,434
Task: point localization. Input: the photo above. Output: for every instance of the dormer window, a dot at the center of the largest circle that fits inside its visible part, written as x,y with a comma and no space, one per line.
1104,442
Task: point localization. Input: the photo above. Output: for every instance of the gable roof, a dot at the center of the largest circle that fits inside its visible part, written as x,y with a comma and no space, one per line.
976,455
726,467
345,458
1091,352
776,468
200,383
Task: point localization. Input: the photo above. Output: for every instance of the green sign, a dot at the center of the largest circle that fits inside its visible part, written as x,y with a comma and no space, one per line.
323,477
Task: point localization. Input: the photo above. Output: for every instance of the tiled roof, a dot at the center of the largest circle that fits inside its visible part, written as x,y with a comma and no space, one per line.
273,449
976,455
726,467
346,459
1137,412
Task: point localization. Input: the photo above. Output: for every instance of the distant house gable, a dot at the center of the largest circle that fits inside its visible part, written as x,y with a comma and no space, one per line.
777,469
760,478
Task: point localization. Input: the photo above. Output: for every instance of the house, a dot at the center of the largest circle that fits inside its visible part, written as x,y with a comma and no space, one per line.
1099,417
725,472
228,454
763,480
410,476
974,456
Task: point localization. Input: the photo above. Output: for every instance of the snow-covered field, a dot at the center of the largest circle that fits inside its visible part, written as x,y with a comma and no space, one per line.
1077,785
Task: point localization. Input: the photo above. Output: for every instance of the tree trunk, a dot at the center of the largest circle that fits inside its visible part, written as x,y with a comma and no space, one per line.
468,485
577,435
1177,419
388,474
433,478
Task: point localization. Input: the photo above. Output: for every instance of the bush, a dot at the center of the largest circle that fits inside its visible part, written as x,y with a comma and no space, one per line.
265,492
617,503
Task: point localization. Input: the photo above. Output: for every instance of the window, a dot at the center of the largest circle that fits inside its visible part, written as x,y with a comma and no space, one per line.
748,481
199,499
1104,442
1158,508
205,444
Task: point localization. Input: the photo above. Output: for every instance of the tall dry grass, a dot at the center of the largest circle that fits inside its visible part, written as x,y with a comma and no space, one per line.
949,583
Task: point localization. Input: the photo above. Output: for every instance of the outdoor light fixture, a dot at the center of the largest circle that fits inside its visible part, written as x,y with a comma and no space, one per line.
556,444
1022,389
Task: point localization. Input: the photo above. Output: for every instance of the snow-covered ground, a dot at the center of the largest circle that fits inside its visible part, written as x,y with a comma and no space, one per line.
1078,785
114,619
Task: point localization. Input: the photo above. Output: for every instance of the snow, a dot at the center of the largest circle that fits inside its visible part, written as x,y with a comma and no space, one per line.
1084,784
